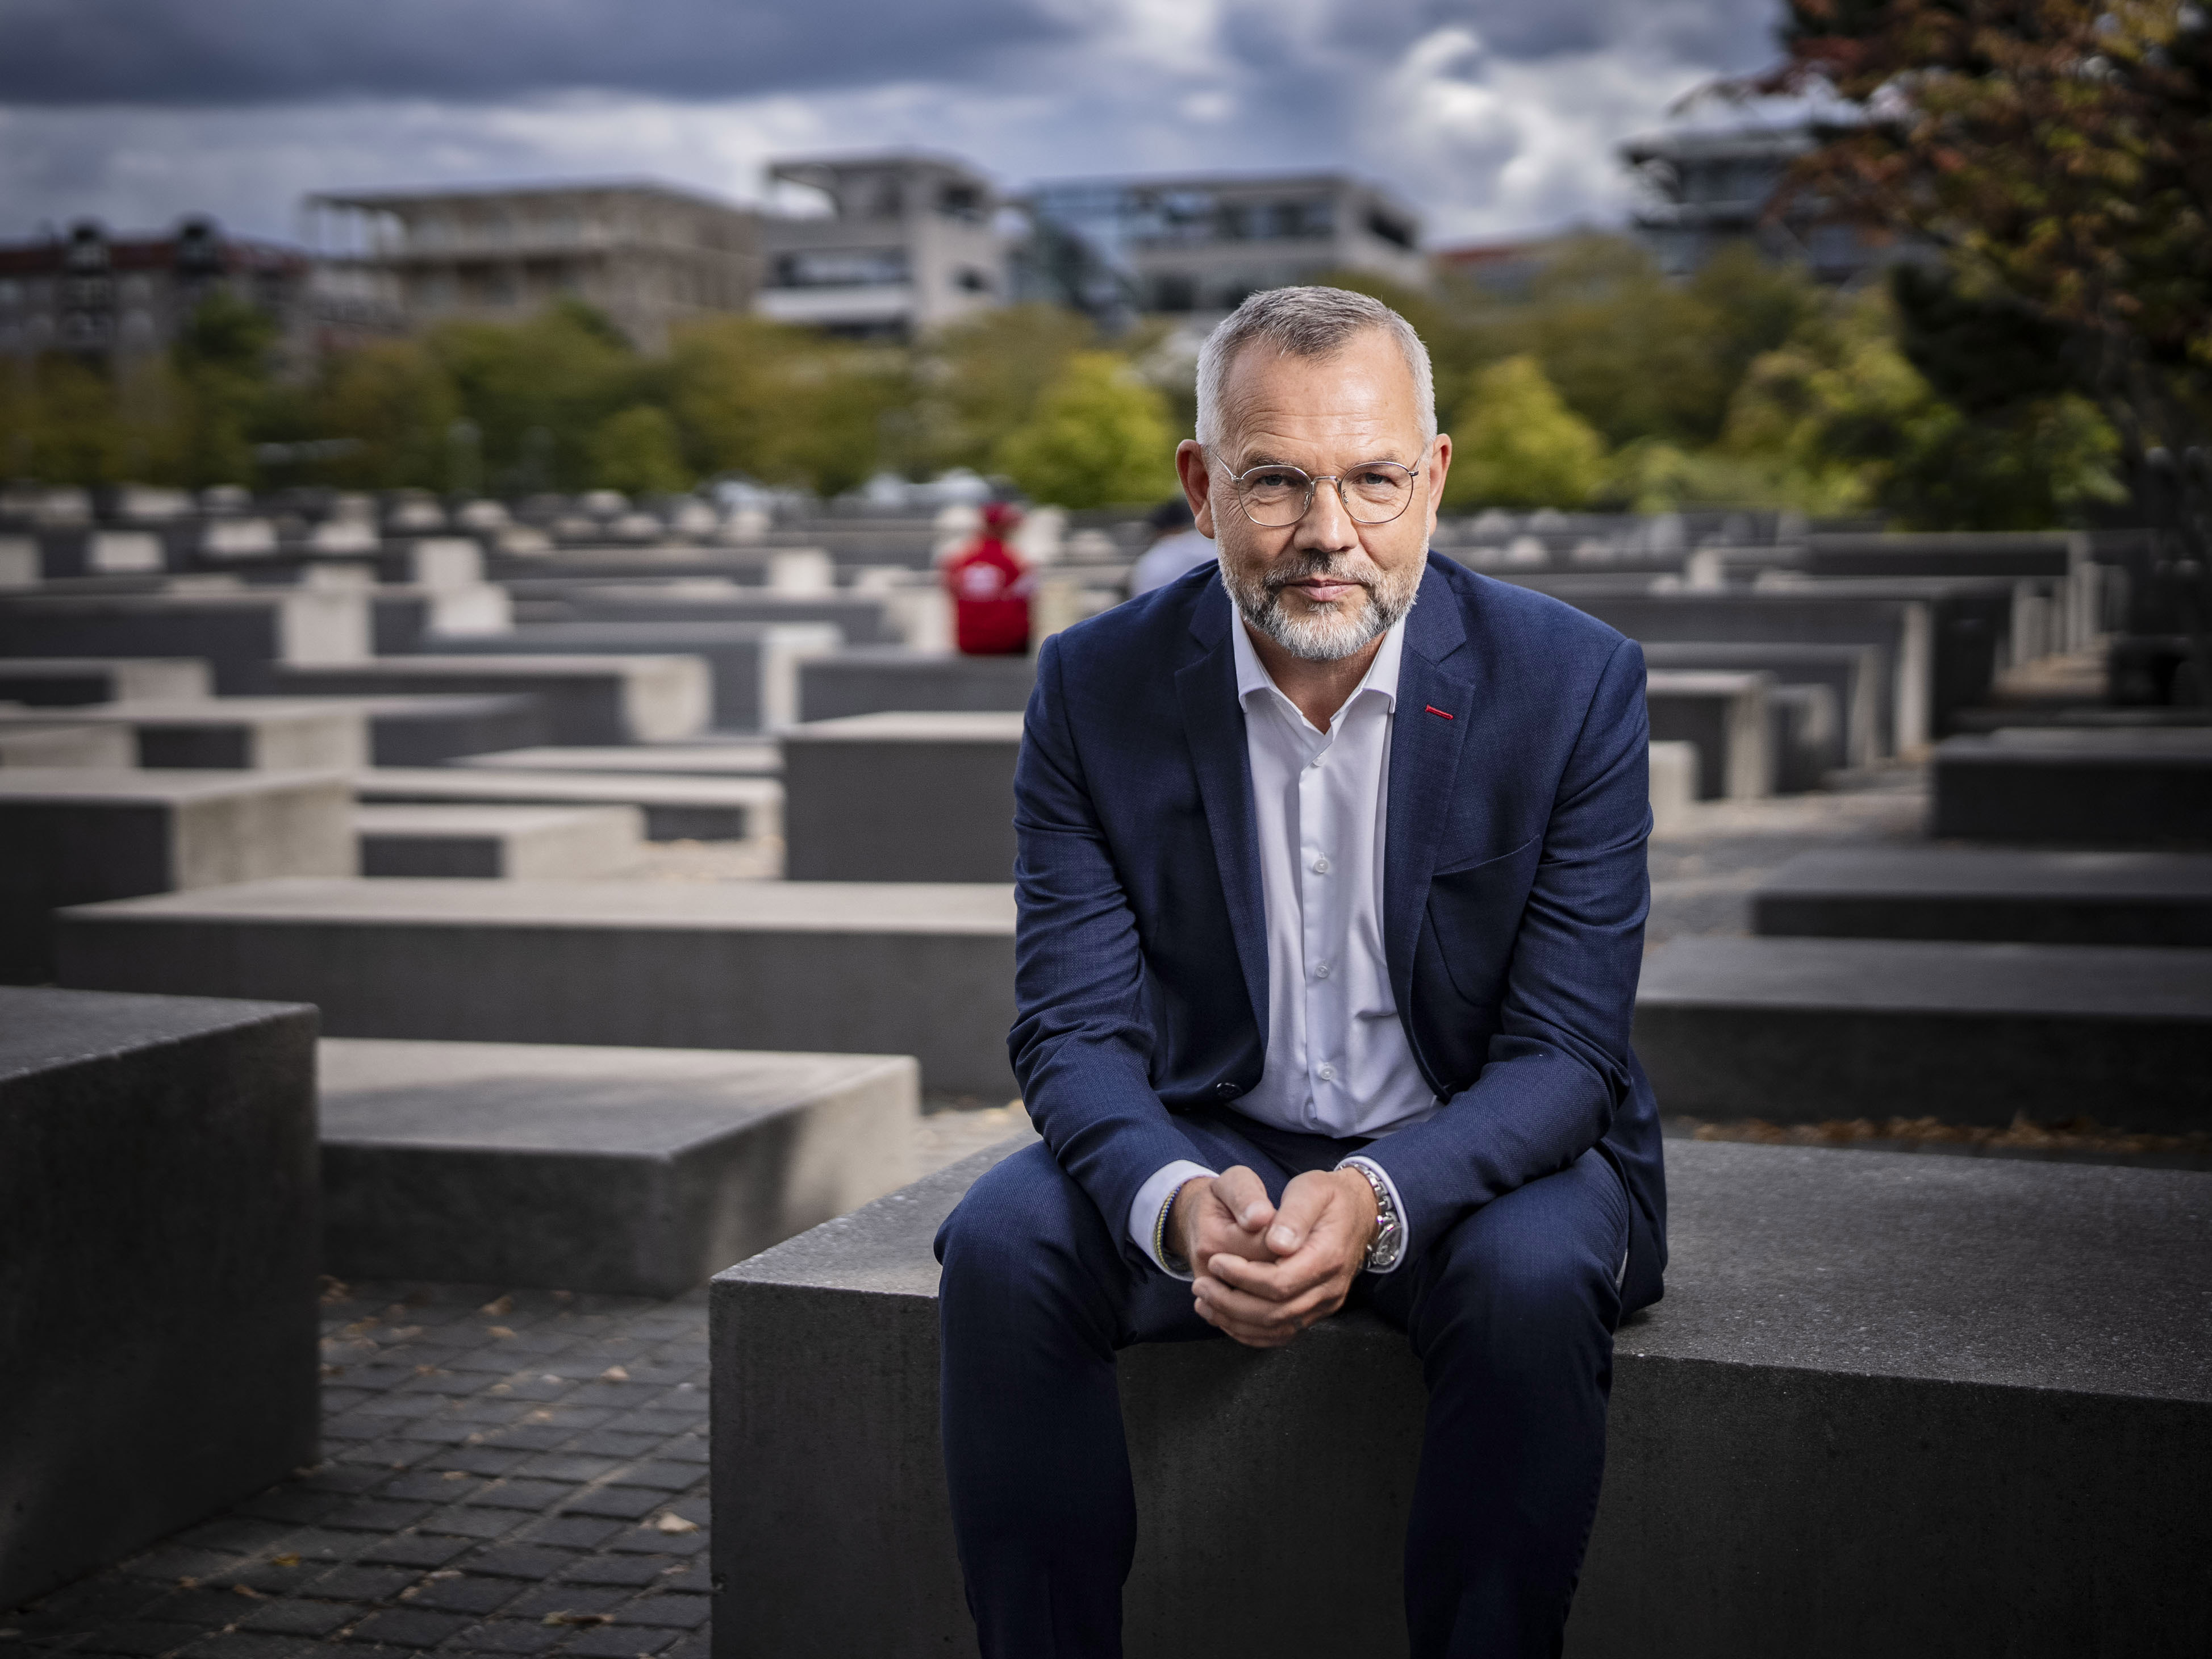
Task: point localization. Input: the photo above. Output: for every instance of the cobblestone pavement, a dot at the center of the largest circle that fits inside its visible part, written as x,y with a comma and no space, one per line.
511,1473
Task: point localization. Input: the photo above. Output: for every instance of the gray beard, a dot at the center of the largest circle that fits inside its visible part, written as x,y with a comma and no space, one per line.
1319,637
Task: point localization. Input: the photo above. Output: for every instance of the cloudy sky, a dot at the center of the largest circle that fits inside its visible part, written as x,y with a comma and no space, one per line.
1493,116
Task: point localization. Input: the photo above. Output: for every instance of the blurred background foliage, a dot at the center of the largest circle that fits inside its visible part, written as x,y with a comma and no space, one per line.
1597,382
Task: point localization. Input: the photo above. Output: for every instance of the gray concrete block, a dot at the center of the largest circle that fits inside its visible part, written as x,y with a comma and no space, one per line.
902,797
64,682
2110,787
886,678
675,808
1724,713
158,1246
630,1172
407,619
1801,1031
851,968
42,740
861,620
432,730
236,734
1990,893
69,836
1948,553
582,699
1852,675
495,843
744,758
754,665
1805,736
1889,1405
238,633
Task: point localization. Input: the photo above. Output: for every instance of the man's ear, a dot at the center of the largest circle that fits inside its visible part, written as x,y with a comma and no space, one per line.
1197,482
1440,456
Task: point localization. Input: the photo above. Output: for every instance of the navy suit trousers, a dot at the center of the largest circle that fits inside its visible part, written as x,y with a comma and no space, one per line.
1511,1314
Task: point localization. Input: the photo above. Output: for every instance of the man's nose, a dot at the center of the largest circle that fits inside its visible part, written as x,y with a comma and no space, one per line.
1326,524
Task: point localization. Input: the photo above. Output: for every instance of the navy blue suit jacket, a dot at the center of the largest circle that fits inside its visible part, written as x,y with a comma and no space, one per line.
1514,899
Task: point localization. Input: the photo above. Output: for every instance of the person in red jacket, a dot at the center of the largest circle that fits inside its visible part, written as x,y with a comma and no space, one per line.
990,588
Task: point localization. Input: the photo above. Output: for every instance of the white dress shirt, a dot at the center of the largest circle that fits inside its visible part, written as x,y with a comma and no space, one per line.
1337,1062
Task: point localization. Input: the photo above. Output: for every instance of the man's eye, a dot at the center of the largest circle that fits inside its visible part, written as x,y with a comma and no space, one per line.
1276,481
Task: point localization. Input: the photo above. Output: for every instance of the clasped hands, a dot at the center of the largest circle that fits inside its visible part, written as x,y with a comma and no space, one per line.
1265,1273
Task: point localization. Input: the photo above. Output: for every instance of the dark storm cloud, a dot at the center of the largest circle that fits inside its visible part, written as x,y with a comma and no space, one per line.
1731,32
243,51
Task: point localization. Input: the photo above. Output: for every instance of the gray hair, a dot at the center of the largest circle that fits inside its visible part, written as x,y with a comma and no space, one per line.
1307,322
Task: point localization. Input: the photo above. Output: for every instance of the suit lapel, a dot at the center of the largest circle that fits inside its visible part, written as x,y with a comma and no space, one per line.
1214,724
1436,709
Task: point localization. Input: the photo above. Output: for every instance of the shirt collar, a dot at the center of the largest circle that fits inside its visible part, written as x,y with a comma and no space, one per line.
1381,680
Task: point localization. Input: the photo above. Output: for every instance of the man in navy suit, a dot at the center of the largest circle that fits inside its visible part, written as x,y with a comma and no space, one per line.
1332,895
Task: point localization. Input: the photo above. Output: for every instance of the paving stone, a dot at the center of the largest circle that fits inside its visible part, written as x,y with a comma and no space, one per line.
406,1627
465,1522
205,1606
375,1514
643,1540
620,1642
614,1443
248,1644
414,1550
660,1476
670,1612
515,1494
359,1583
140,1641
297,1618
428,1486
580,1532
520,1561
511,1636
625,1503
542,1599
635,1571
470,1593
697,1646
480,1459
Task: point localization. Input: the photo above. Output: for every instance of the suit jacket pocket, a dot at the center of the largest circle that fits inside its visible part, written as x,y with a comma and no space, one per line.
1475,913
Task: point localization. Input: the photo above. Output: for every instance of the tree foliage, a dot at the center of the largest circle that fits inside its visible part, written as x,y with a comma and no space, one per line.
1516,443
1097,436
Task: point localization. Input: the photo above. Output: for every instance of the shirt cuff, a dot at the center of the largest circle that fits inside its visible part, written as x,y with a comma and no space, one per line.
1398,1204
1152,1198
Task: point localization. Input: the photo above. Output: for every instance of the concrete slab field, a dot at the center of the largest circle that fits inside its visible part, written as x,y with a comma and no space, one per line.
493,843
676,807
816,966
69,836
158,1248
238,633
44,740
583,699
1851,674
883,679
62,682
431,731
277,734
2114,788
1799,1031
1992,893
742,757
901,797
2017,1316
631,1171
1725,716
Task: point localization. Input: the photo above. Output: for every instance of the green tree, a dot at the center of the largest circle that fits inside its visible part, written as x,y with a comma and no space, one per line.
1516,443
537,391
1098,436
65,426
639,453
221,361
393,400
983,377
784,406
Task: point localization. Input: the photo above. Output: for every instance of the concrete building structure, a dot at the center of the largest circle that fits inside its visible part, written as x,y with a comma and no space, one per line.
648,255
1196,246
907,241
111,299
1704,190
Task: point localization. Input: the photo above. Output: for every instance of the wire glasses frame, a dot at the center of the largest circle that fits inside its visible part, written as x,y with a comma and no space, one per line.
1376,493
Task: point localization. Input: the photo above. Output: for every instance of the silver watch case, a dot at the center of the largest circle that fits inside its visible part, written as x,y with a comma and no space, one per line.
1389,1241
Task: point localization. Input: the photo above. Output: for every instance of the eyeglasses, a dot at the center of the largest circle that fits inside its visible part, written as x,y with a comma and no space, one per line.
1277,497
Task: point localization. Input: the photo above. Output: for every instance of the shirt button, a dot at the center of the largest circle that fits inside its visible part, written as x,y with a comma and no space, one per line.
1320,867
1321,972
1226,1090
1327,1073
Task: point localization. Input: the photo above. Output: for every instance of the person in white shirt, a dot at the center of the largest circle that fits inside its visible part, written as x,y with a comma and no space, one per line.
1179,548
1331,883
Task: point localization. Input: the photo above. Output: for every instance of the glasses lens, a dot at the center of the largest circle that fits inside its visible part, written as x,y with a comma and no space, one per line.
1276,495
1377,494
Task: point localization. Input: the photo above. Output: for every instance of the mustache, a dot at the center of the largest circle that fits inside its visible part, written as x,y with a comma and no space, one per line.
1297,567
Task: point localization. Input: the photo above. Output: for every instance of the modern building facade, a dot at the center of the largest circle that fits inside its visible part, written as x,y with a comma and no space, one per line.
648,256
110,299
1195,247
1705,189
901,244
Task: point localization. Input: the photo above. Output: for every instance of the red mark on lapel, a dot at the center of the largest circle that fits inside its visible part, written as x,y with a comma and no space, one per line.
1433,709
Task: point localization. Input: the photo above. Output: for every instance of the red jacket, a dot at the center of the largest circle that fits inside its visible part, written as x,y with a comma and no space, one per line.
990,590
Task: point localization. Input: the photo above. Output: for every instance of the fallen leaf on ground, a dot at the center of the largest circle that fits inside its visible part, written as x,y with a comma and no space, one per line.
579,1619
426,1371
504,1304
674,1524
287,1560
188,1583
501,1332
614,1374
452,1475
248,1592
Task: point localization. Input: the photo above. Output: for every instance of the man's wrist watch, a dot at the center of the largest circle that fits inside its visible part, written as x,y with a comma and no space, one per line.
1389,1241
